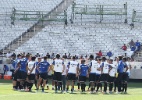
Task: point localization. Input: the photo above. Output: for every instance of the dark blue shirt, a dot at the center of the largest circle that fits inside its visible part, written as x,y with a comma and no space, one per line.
133,48
43,67
121,66
138,44
5,68
36,71
14,64
83,70
109,54
24,62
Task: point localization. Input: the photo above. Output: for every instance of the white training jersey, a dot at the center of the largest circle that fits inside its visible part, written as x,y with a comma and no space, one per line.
72,67
31,64
58,65
98,71
105,66
128,64
93,66
113,70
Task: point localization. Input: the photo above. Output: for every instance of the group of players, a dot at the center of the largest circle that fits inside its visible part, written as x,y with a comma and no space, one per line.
101,72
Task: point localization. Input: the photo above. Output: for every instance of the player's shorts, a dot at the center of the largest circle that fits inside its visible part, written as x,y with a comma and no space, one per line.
82,78
31,77
57,76
43,76
92,77
15,75
71,77
21,75
98,78
111,79
125,77
104,77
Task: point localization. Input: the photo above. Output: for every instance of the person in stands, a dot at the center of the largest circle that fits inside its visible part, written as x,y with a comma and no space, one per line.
124,47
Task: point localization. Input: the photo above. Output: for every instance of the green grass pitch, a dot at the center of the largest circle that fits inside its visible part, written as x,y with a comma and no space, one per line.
6,93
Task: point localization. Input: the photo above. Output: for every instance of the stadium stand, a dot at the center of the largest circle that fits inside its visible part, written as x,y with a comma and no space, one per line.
10,32
84,36
89,35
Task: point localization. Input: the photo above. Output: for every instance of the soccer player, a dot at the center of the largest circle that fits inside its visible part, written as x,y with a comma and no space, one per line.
120,70
31,72
104,71
23,71
16,84
84,72
73,67
37,72
112,72
125,75
98,75
59,68
92,76
43,68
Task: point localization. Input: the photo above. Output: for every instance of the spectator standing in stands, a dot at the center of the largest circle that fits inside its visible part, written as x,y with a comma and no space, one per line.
37,55
133,48
69,56
48,55
138,45
52,56
8,55
99,53
5,69
124,47
131,43
109,54
65,56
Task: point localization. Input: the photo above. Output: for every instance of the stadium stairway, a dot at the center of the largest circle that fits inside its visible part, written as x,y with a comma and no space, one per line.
37,27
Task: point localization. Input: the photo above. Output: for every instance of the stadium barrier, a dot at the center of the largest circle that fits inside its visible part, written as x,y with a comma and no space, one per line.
100,10
136,17
37,16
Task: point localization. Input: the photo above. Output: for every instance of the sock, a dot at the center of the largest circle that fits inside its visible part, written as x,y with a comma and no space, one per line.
123,87
126,87
56,86
89,86
110,86
78,84
92,89
82,85
36,83
95,86
59,85
25,84
18,85
98,85
101,86
115,86
105,86
67,88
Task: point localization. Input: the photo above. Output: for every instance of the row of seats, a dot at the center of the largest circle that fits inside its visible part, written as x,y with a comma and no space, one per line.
10,32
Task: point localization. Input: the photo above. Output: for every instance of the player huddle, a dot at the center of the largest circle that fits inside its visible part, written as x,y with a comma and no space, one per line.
101,72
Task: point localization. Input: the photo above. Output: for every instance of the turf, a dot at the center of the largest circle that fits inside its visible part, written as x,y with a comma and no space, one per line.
6,93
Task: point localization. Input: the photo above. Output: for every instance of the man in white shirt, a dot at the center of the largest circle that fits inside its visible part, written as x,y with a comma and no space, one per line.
104,71
72,73
59,68
31,67
112,72
92,76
